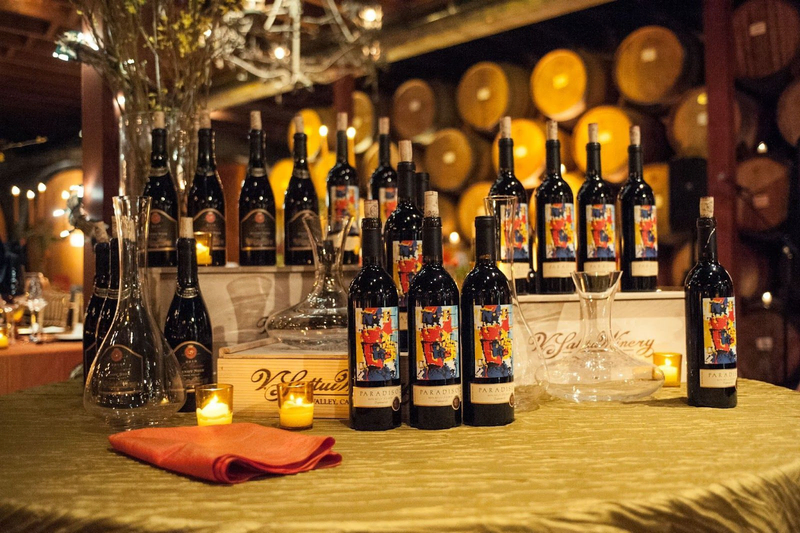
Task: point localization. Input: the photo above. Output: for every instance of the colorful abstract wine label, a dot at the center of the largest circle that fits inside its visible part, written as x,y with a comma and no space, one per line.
162,233
387,198
719,342
211,221
407,262
377,353
493,341
559,222
600,234
344,201
197,365
257,231
437,350
645,232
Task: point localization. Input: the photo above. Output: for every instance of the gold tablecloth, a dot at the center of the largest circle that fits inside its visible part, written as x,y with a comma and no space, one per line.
654,465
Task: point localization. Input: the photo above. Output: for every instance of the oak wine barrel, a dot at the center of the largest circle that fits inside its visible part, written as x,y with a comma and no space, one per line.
657,176
447,212
455,158
752,272
750,123
311,123
761,342
687,129
614,125
682,262
565,83
763,200
489,91
420,108
363,121
766,37
654,66
788,113
471,205
369,162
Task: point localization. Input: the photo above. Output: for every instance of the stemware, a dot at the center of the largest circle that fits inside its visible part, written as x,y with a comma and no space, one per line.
34,291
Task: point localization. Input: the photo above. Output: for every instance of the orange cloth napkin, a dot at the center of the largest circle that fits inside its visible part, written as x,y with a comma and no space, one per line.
230,453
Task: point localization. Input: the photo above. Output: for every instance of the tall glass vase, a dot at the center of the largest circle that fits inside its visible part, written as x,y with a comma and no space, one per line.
320,320
599,370
135,147
135,380
530,367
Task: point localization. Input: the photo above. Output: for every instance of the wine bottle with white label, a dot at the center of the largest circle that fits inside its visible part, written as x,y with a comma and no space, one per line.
638,237
711,347
508,184
163,200
109,309
343,193
206,202
486,335
403,238
372,327
300,201
99,294
596,218
256,205
188,326
383,183
434,357
555,224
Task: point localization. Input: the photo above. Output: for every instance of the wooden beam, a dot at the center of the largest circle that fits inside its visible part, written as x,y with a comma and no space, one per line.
52,10
54,67
719,65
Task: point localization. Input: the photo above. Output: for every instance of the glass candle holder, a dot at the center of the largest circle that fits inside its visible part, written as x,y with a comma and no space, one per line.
670,365
203,243
214,404
296,404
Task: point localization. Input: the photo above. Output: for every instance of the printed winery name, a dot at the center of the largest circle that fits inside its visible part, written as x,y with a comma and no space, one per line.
268,382
560,342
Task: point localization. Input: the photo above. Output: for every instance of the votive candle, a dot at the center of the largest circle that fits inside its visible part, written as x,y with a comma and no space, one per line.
296,404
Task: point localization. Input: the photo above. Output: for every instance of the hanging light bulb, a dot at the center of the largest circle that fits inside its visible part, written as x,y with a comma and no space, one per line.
41,187
15,191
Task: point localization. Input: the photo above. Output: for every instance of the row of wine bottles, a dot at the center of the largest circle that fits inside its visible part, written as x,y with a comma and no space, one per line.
450,339
187,327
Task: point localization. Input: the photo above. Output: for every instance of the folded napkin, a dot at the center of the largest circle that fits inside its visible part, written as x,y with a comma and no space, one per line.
230,453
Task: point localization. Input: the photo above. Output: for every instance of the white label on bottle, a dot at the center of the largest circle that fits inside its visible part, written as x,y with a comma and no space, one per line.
599,267
438,396
757,28
377,397
649,55
561,269
351,243
492,393
702,119
521,270
403,319
717,379
644,269
761,201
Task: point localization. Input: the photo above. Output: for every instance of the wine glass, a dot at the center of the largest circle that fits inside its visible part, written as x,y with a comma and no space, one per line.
12,298
34,288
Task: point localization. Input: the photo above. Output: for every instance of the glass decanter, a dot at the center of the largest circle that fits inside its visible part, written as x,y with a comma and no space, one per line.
135,379
320,320
530,368
598,370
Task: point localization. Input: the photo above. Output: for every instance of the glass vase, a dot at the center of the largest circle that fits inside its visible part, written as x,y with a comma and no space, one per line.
599,370
135,380
320,320
135,147
530,368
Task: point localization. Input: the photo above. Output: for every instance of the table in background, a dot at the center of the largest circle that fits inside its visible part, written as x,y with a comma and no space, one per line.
654,465
24,364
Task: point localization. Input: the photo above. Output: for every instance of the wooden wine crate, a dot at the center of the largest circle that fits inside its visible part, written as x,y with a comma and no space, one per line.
255,369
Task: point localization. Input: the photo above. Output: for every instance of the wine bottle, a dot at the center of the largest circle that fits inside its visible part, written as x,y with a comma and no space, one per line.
163,200
711,348
639,237
256,205
433,355
383,183
99,294
372,326
555,224
507,184
403,238
300,201
596,217
109,308
422,181
343,193
188,326
206,203
486,320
